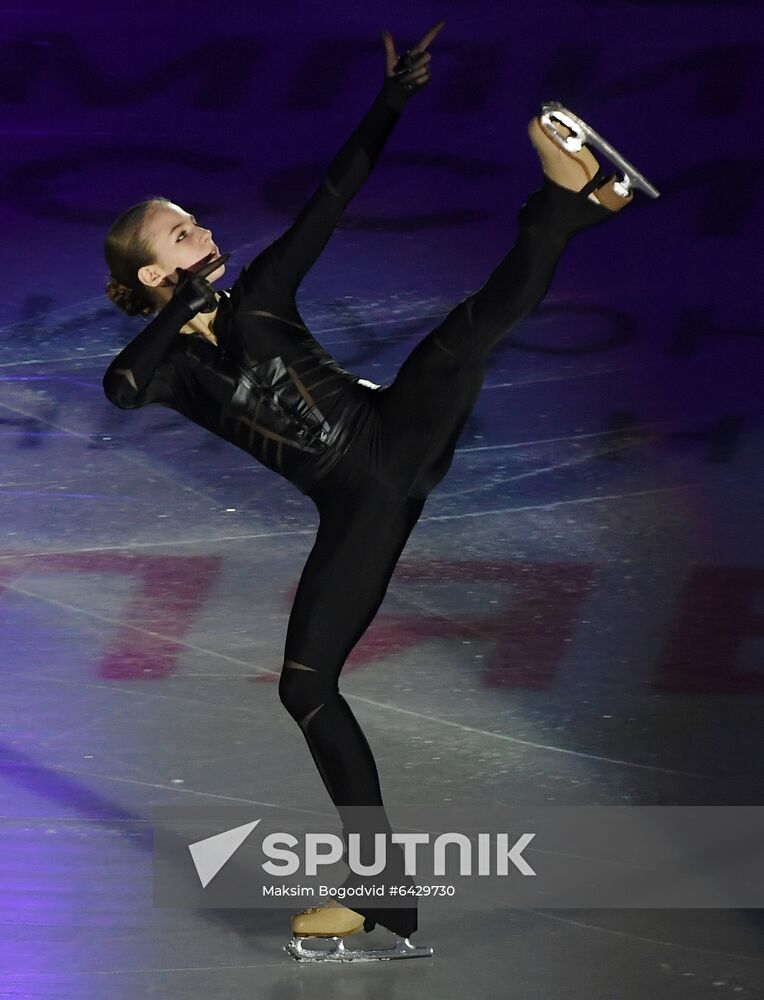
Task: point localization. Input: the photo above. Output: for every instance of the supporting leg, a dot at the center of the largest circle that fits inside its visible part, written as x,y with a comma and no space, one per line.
361,535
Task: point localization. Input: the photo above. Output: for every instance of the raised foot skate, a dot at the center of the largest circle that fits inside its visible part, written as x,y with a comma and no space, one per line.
334,949
561,137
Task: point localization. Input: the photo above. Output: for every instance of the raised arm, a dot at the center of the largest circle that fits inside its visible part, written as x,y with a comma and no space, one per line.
286,261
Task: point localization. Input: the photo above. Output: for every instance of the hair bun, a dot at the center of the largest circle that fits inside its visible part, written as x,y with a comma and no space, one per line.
130,301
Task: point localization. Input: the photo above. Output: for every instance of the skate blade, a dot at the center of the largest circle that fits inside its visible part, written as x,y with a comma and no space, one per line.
582,132
334,949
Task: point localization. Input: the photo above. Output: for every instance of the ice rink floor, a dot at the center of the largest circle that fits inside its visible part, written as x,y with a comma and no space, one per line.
576,619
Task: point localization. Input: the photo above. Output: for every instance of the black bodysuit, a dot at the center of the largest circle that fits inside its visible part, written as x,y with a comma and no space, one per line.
269,387
367,456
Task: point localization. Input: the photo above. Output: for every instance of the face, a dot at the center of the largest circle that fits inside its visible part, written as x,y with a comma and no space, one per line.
178,241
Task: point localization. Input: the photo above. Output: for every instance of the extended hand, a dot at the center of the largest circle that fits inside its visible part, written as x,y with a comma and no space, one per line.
412,69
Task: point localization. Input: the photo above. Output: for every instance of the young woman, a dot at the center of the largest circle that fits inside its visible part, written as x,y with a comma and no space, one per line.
243,364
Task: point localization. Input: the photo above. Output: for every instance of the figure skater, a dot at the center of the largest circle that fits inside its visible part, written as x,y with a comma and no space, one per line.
243,364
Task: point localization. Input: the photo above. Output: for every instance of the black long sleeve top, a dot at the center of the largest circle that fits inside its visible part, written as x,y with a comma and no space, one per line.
268,386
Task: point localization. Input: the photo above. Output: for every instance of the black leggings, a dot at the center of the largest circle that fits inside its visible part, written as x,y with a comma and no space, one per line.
369,507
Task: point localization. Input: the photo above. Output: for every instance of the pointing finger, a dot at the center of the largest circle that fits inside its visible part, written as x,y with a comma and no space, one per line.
387,38
420,46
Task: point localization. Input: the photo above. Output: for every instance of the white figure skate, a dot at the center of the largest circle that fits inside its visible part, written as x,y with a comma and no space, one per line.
582,133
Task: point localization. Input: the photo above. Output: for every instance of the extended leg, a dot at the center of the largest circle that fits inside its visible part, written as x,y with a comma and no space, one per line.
429,402
360,537
426,407
548,220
